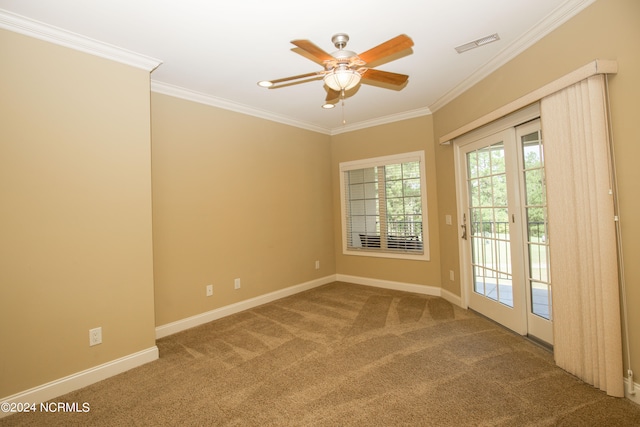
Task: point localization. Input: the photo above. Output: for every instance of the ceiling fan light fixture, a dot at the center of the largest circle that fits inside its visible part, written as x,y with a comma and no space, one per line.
265,83
328,106
340,79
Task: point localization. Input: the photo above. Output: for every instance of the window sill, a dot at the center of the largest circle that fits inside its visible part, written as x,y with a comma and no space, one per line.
386,254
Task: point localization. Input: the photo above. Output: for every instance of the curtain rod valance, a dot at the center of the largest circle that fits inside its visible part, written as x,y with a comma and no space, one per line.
598,66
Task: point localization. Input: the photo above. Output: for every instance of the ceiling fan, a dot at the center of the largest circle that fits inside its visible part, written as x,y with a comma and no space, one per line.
344,69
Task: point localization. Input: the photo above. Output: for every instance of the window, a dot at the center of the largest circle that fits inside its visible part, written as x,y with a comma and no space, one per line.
384,209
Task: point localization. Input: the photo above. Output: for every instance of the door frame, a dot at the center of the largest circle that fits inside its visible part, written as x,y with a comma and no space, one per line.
519,117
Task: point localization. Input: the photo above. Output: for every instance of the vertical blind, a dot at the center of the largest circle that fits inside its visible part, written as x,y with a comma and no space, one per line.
587,330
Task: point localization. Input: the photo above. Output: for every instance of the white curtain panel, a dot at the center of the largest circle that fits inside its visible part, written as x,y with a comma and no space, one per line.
586,305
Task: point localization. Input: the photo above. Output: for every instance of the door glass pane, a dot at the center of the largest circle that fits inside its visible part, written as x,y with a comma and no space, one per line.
484,162
532,151
489,228
500,190
498,164
534,187
537,224
472,165
486,191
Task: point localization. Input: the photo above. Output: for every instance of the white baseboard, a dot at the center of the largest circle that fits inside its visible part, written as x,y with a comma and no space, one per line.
452,298
388,284
636,388
218,313
81,379
401,286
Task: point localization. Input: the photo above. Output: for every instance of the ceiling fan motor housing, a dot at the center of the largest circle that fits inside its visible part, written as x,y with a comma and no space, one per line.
340,40
342,56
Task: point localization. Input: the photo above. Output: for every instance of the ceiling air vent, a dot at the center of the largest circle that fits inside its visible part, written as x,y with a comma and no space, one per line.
477,43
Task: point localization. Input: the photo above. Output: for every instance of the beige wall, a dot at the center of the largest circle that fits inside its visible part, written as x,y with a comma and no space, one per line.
75,212
608,29
231,194
235,196
393,138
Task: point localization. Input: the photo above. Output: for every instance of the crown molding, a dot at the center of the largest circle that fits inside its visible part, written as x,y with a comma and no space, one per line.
382,120
552,21
203,98
39,30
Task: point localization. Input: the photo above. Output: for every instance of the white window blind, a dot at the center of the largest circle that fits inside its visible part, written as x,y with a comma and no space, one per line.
384,206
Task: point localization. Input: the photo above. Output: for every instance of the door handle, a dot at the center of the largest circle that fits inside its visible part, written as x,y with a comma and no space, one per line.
464,226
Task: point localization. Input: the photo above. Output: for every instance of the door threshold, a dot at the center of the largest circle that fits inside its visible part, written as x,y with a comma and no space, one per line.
541,343
531,338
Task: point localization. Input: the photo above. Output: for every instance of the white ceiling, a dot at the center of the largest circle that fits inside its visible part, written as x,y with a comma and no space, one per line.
216,51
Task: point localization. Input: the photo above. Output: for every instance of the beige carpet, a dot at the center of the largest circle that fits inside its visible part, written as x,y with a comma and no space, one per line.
345,355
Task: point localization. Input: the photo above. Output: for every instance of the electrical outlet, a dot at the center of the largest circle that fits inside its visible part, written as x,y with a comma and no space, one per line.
451,275
209,290
317,265
95,336
447,219
236,283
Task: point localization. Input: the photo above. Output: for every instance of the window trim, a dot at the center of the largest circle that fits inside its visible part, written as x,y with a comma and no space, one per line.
382,161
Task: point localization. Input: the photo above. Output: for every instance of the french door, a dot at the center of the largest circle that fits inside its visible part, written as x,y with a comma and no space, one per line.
504,239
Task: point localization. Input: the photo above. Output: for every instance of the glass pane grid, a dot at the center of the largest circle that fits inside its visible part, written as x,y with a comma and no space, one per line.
384,208
537,224
493,284
362,207
404,206
490,232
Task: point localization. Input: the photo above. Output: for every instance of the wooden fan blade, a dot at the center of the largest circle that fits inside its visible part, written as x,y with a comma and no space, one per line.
332,95
287,79
313,50
385,77
396,44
